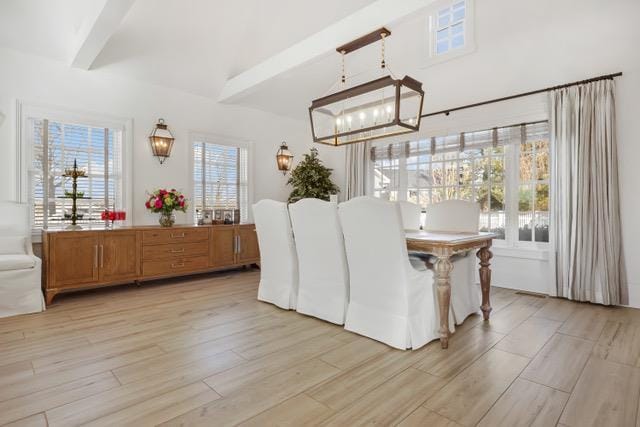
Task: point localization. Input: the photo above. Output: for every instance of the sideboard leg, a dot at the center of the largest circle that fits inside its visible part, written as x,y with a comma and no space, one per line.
48,296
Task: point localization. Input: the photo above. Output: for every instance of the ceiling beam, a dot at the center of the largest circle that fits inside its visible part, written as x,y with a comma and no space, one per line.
96,30
376,15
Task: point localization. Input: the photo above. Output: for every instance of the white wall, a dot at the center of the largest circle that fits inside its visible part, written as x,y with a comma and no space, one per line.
521,45
34,80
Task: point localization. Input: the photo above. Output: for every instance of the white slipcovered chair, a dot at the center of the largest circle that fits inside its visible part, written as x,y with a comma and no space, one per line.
322,264
389,300
20,269
410,215
278,260
458,216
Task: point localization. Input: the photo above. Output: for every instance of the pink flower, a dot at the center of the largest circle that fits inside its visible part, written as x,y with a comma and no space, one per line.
158,203
148,204
182,203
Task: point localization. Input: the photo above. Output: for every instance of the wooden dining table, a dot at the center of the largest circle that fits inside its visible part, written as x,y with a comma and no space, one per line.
443,246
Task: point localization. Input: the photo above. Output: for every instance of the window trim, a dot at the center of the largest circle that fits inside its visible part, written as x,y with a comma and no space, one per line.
432,58
228,141
24,150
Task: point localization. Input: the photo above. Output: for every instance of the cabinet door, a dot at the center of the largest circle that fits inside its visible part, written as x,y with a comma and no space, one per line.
74,259
222,246
248,251
119,256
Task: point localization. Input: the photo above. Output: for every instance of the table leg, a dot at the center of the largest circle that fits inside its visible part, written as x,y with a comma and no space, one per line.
443,269
485,255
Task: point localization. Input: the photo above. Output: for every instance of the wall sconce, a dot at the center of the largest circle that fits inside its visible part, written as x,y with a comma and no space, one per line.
161,141
284,158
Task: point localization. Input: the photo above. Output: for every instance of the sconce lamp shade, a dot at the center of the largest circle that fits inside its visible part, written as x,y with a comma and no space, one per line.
284,158
161,141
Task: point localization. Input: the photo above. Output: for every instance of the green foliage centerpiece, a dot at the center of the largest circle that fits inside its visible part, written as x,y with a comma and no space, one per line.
165,202
311,179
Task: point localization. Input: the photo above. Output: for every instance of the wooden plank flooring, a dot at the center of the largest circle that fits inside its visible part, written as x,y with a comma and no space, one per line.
203,351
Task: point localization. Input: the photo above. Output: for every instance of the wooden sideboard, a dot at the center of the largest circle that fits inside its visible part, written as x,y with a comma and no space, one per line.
83,259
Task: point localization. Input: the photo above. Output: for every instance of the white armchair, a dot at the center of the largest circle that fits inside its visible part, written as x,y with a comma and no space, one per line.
410,215
390,301
278,260
324,277
20,269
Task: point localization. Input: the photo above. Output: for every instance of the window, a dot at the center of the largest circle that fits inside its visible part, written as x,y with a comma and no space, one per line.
533,190
476,166
220,178
451,29
55,145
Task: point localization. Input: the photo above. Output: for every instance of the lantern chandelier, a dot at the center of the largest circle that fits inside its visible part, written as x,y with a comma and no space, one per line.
380,108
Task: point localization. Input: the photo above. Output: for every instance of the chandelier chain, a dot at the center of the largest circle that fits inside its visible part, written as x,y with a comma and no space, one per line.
382,63
344,77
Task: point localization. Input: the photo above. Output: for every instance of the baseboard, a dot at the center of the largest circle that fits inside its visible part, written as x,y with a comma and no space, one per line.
634,293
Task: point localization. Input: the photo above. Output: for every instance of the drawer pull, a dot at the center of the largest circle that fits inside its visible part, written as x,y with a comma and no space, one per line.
177,236
176,251
174,265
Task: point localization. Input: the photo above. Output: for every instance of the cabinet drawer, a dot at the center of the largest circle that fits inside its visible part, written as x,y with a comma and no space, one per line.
174,250
176,265
174,235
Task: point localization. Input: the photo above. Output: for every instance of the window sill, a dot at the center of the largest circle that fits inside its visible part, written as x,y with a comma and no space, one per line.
523,253
435,59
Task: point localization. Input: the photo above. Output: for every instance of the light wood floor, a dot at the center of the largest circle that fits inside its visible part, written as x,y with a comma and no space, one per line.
203,351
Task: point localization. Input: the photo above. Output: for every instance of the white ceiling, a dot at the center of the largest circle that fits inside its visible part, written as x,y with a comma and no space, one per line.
41,27
197,45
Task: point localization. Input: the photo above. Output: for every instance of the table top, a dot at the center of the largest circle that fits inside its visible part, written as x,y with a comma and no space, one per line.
448,238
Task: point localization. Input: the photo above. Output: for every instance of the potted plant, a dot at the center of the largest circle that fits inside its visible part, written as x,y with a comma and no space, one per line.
166,202
311,179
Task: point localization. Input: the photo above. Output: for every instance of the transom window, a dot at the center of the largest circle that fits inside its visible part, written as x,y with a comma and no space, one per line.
220,179
450,28
54,147
505,170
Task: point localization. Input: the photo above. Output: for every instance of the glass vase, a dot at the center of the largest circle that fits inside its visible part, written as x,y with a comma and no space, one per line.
167,219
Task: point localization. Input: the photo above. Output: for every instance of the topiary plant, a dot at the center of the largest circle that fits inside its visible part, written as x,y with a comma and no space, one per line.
311,179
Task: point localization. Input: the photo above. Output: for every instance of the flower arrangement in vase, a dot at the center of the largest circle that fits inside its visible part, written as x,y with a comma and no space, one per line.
166,202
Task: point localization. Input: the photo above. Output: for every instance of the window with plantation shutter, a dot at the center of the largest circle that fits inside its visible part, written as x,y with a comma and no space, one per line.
220,178
54,147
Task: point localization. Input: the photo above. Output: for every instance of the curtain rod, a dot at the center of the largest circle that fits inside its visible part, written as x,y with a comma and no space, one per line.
520,95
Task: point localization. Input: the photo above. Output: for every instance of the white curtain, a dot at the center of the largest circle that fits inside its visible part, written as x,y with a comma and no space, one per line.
587,235
356,169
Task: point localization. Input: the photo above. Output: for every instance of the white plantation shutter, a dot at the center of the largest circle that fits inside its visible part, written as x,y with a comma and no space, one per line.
55,146
220,175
